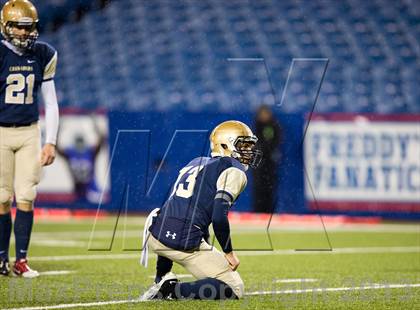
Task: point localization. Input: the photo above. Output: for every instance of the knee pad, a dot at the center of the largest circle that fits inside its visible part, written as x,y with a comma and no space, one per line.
6,196
26,194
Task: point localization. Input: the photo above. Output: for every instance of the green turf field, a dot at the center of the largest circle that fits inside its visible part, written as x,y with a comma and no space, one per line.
348,277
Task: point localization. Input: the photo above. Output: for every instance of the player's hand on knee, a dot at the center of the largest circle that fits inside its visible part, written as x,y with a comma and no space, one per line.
233,260
47,154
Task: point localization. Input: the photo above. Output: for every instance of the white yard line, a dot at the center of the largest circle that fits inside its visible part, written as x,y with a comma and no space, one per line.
257,293
88,304
56,272
84,257
334,289
364,250
63,243
56,243
236,229
295,280
311,228
59,243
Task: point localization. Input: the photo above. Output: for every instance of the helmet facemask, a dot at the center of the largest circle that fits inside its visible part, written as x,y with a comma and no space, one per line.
245,152
25,41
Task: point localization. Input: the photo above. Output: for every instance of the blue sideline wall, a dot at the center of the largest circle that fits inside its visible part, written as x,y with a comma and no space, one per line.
148,149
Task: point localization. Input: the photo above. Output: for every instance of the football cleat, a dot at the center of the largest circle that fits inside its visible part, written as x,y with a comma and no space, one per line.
4,268
21,269
162,290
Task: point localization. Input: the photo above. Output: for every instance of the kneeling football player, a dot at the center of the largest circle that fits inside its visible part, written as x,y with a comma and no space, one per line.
203,193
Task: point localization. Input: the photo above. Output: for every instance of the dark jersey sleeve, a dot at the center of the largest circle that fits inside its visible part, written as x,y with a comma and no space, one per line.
221,224
230,183
48,56
3,50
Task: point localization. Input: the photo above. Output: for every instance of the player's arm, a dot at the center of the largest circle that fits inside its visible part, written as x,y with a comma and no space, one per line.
60,150
230,184
221,223
101,137
51,112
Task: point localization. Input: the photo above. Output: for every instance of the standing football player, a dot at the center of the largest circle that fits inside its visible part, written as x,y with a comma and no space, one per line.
202,195
27,69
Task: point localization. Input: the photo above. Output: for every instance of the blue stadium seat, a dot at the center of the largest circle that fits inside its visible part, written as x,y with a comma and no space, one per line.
164,55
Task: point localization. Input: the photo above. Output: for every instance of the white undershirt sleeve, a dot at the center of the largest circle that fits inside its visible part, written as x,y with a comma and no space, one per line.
51,111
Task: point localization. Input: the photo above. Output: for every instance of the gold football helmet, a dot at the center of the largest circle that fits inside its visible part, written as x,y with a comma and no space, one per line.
20,14
235,139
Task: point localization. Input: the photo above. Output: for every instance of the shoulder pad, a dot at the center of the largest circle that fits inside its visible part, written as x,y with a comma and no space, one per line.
227,162
44,50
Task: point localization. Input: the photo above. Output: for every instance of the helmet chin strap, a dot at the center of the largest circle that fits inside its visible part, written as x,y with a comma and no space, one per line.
22,44
236,155
18,44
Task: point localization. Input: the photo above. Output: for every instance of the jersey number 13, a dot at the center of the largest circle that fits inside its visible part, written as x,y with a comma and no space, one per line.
15,90
185,189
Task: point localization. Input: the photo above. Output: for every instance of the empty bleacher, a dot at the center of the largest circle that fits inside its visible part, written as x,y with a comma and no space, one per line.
164,55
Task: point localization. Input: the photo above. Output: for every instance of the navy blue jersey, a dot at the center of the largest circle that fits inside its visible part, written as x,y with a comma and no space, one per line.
21,76
185,217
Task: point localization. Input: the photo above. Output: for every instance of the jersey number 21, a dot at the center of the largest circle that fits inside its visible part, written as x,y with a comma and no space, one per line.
15,90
